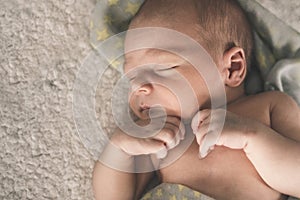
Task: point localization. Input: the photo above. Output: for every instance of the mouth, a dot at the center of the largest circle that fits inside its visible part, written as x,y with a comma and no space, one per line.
144,110
144,107
156,112
153,111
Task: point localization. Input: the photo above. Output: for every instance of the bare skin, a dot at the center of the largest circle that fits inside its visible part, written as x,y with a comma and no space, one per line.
225,173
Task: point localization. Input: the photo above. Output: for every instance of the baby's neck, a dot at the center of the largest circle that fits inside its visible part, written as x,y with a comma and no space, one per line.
235,95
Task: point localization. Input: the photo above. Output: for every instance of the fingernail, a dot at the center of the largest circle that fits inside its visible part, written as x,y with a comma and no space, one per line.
178,139
202,155
182,131
162,153
171,144
203,151
195,131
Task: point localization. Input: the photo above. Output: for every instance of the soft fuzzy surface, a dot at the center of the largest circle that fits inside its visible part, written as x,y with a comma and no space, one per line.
288,11
42,44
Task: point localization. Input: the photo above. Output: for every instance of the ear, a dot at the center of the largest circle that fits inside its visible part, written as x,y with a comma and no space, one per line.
234,67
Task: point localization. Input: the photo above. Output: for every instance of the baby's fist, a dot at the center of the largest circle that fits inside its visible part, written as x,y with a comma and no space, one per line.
219,127
206,135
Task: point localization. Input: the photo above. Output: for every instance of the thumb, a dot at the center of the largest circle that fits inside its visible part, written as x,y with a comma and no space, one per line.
155,147
162,153
208,143
199,117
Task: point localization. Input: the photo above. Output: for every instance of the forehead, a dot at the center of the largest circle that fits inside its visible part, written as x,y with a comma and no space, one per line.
155,45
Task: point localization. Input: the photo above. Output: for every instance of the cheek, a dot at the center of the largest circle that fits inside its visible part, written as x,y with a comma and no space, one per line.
132,101
164,95
184,98
200,88
199,97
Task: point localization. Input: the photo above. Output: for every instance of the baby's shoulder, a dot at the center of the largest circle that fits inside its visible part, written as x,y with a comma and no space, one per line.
271,98
261,102
271,101
259,106
264,101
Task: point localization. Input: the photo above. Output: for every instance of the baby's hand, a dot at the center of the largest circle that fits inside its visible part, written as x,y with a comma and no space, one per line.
220,127
167,138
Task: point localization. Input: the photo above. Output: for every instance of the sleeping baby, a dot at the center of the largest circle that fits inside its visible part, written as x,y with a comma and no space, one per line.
255,153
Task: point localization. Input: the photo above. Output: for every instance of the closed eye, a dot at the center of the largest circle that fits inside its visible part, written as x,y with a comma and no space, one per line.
132,78
168,68
167,72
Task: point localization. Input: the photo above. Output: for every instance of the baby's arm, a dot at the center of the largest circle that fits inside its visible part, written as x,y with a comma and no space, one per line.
112,184
276,156
285,116
114,175
115,178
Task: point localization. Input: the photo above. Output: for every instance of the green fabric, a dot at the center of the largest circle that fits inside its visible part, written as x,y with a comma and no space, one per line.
168,191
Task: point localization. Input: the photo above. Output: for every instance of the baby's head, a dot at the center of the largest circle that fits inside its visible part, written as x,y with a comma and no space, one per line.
221,28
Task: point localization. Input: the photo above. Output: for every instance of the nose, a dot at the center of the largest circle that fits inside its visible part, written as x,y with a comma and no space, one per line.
138,97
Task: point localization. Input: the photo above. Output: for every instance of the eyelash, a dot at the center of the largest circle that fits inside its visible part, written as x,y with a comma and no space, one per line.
132,78
168,68
159,70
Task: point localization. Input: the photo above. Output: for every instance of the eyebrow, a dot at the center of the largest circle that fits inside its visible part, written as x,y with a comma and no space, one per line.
170,53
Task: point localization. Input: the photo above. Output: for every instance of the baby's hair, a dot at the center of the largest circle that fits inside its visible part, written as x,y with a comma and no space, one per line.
220,25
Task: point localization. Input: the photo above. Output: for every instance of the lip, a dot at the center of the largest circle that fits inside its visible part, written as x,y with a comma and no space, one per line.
144,113
144,108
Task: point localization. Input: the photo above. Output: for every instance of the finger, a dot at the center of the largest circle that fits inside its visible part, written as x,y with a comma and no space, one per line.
162,153
199,118
173,120
178,123
150,146
168,135
178,139
201,132
170,119
181,130
178,132
158,123
173,143
208,143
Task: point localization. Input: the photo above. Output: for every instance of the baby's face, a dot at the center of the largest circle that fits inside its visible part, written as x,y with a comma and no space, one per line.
160,78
